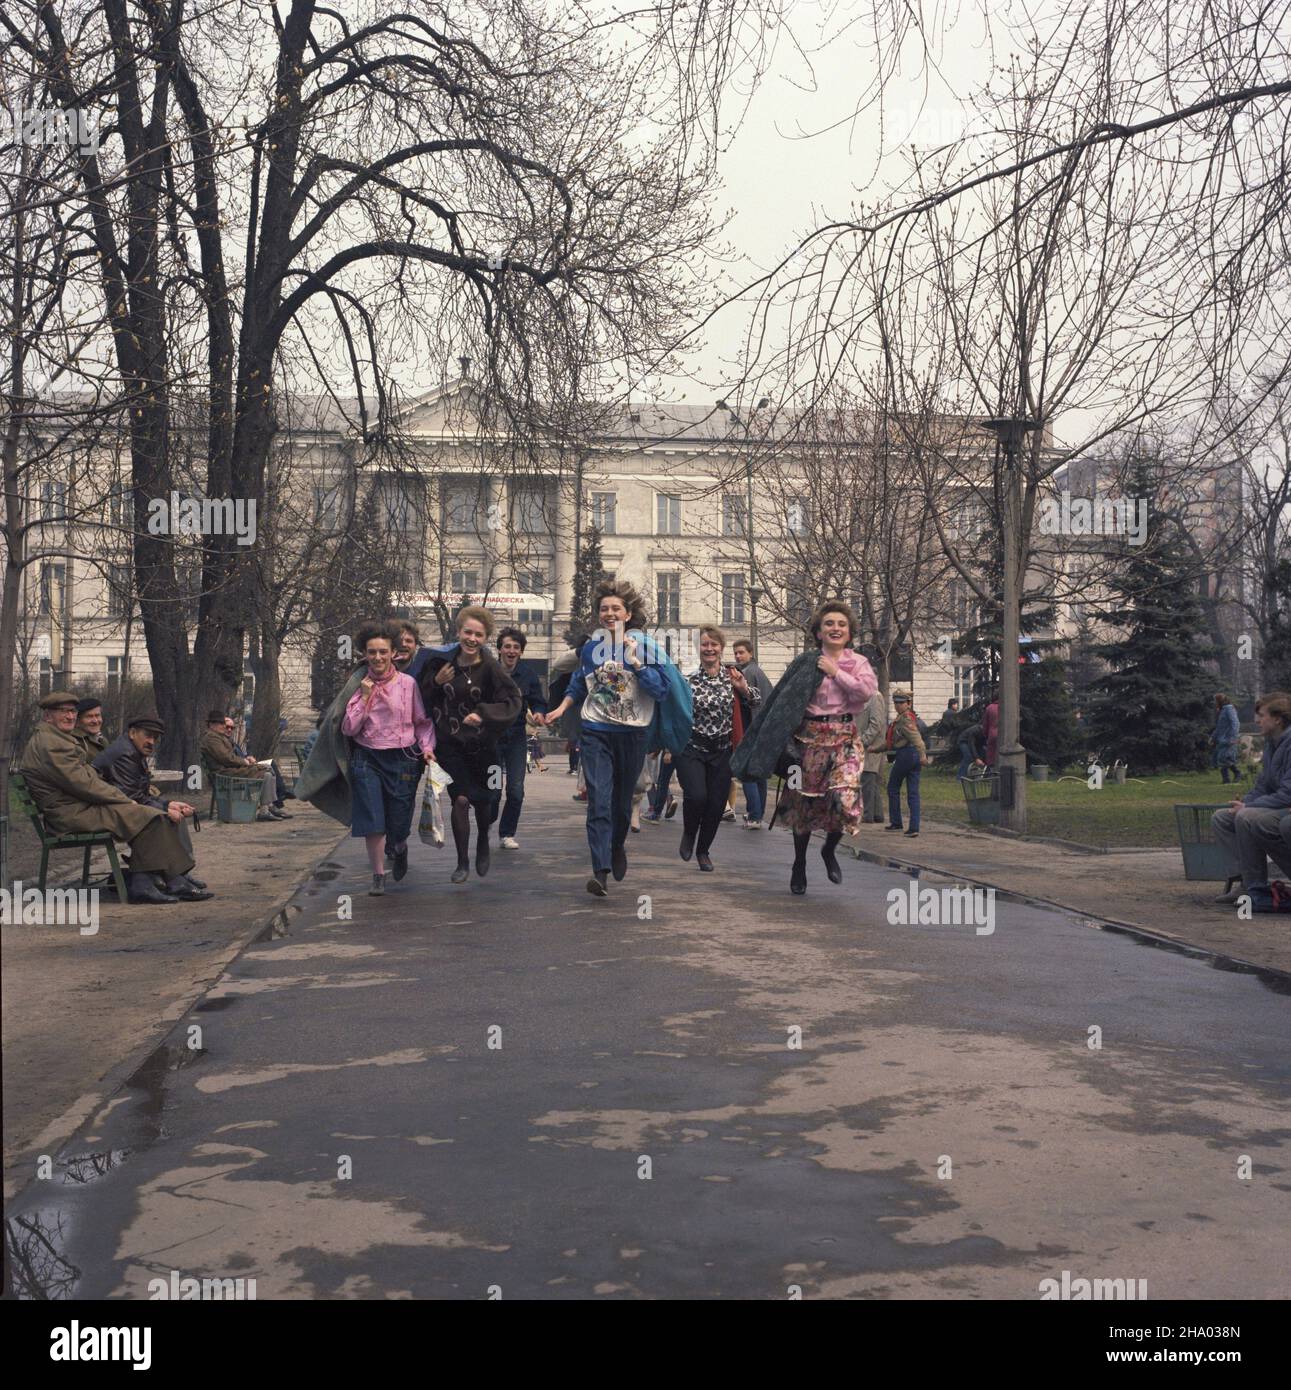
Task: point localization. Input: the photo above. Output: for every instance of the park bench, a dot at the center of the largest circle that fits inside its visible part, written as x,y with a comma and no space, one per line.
52,840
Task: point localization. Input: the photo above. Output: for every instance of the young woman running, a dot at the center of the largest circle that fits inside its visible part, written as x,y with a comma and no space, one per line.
473,702
386,722
704,769
617,687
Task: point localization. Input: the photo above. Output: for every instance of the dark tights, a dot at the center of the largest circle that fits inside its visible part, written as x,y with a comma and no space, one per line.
462,827
800,843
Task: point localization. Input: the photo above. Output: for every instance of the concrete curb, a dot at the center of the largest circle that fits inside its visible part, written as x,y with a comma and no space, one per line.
59,1133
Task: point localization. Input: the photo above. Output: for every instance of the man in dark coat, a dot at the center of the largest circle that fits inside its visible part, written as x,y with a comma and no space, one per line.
217,749
124,763
74,799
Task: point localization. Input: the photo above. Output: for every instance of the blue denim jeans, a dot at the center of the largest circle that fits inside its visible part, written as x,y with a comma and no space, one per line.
905,768
659,796
966,756
512,754
612,760
755,799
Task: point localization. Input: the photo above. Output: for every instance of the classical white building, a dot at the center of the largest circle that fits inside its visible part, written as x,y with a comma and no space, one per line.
667,487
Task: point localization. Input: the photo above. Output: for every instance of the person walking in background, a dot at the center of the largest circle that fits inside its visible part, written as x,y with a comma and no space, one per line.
1224,737
562,672
662,806
392,736
631,698
473,703
718,695
809,719
513,746
911,753
871,734
991,728
755,791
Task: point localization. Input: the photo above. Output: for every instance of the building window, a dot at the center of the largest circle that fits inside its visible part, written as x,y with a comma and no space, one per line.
734,513
327,506
798,602
964,683
733,598
668,599
116,674
796,517
53,581
667,515
120,591
119,505
605,507
463,582
532,581
534,622
53,500
529,508
461,505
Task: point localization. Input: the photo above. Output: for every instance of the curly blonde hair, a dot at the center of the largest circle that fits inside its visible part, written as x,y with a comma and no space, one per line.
481,616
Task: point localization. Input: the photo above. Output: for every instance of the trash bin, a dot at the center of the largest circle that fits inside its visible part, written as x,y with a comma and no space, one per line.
1202,857
983,797
1039,772
237,799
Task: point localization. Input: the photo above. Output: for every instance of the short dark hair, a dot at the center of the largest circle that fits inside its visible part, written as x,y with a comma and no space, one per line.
389,629
742,642
834,605
406,625
514,634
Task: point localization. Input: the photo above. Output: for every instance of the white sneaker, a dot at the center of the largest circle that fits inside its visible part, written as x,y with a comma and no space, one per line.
509,842
752,825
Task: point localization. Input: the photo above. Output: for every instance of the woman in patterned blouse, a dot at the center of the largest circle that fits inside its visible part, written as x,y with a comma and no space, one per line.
704,768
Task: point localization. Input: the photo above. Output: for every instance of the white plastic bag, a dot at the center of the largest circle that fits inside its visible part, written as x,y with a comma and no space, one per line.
430,827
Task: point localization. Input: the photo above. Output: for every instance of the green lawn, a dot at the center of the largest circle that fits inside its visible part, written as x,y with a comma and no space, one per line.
1139,814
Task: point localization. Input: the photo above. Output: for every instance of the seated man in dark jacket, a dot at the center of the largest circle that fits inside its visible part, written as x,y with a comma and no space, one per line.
124,763
217,749
281,790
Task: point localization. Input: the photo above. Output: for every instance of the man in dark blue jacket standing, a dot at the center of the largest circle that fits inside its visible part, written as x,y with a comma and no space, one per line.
513,745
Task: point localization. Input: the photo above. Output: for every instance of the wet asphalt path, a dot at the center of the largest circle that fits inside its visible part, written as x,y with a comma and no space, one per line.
512,1089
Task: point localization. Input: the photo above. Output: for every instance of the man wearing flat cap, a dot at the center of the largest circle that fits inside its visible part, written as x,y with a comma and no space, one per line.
75,800
124,763
89,728
217,749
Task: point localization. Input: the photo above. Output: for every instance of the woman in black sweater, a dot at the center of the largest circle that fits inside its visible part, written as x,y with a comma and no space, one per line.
473,702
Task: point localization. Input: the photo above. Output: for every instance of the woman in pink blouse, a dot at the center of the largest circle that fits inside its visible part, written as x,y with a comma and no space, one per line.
392,736
828,797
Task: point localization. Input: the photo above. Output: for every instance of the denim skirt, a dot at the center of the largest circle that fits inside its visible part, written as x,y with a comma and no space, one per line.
383,791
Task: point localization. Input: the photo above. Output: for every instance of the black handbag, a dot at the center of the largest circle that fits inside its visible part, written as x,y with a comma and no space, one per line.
790,757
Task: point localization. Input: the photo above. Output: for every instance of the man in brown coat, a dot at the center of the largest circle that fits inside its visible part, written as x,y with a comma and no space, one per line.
75,800
217,749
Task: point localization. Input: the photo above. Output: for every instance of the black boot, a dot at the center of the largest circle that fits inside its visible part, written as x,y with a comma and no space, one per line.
179,887
618,863
687,844
596,884
798,877
832,869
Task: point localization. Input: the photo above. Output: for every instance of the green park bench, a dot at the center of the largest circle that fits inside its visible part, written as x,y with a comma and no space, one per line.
51,840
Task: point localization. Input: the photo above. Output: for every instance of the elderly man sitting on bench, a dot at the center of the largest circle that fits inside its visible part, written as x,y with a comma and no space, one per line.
217,749
74,799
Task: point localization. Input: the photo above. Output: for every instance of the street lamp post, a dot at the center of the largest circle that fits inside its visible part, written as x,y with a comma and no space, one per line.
1010,432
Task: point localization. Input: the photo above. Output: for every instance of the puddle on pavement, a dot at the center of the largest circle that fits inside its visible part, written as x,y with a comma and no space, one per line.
1277,981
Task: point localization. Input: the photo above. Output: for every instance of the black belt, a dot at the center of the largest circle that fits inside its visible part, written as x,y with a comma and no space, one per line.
821,718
